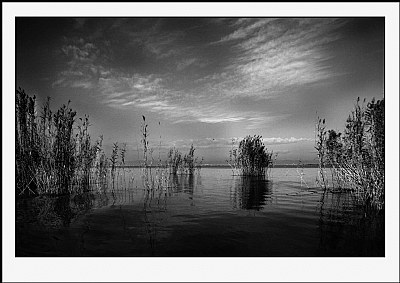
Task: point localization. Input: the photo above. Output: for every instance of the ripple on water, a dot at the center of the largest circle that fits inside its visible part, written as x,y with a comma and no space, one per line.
211,214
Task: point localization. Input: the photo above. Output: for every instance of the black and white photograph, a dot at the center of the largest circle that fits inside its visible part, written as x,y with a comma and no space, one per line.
194,137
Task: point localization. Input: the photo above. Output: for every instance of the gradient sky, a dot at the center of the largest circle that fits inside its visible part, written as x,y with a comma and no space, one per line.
205,80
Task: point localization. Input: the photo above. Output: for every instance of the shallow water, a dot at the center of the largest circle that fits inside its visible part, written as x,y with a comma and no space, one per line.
209,214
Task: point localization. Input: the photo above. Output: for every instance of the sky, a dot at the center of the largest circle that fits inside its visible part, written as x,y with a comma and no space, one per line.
204,81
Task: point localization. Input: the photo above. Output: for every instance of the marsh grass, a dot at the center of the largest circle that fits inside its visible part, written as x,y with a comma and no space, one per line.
114,160
251,158
174,160
54,153
233,160
355,158
122,164
153,179
183,164
101,166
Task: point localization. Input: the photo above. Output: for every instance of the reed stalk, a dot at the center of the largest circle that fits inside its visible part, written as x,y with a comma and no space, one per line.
113,160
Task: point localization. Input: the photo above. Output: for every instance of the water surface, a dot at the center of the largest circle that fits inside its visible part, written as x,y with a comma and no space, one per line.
209,214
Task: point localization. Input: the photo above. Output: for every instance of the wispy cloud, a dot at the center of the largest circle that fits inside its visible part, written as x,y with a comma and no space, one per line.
267,58
151,38
245,29
122,90
84,65
183,64
275,55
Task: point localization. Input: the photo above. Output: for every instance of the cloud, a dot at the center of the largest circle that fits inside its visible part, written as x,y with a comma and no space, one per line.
83,65
123,90
150,37
183,64
246,29
265,58
273,56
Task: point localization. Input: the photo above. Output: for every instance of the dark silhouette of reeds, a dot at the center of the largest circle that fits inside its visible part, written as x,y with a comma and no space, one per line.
100,165
174,161
114,160
186,164
52,156
85,153
356,157
27,156
145,142
251,158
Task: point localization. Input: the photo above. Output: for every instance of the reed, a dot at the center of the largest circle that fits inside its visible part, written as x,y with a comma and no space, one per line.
320,142
54,153
122,164
27,142
147,179
101,166
145,142
189,161
183,164
114,160
174,160
153,180
233,160
356,157
251,158
85,154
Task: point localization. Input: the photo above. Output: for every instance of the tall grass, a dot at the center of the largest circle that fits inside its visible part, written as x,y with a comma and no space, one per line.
52,156
122,164
251,158
27,142
145,142
233,160
156,180
355,157
100,166
174,160
114,160
183,164
85,153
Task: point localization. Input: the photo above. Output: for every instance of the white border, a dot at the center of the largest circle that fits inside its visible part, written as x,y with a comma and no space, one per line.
204,269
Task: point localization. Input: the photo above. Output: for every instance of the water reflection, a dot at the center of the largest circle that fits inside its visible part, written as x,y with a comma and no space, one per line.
251,193
155,204
63,209
60,211
178,215
345,230
183,183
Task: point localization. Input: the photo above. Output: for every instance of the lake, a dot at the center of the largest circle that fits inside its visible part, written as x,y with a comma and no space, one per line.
209,214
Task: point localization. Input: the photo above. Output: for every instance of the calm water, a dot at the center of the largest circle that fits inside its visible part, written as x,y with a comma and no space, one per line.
209,214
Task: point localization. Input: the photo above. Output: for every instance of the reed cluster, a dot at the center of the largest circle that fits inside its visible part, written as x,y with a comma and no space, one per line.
251,158
356,157
183,164
52,156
